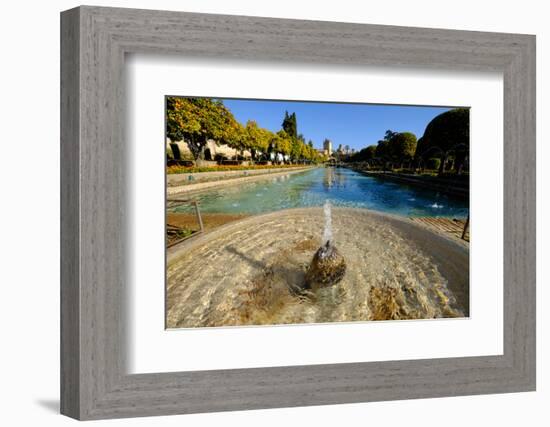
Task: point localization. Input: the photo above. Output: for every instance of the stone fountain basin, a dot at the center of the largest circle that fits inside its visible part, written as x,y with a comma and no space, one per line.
250,272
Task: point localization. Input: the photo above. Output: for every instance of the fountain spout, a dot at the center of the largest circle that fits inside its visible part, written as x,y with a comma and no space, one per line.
328,266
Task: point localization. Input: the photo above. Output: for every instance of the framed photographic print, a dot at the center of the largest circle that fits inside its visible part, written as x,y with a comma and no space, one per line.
262,213
325,251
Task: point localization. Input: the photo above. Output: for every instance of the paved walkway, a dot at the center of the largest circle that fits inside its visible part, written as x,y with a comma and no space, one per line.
204,186
448,226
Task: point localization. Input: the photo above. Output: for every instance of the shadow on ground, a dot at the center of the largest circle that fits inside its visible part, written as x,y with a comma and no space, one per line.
51,405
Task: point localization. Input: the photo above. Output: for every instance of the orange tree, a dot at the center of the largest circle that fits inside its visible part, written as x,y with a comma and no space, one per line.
196,120
257,138
282,142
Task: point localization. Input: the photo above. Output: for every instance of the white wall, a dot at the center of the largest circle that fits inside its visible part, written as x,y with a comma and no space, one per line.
29,183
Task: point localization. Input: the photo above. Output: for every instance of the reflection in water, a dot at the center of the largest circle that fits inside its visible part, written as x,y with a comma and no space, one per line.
334,178
343,187
329,178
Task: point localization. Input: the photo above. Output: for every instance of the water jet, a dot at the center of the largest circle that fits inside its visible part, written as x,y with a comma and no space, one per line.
328,266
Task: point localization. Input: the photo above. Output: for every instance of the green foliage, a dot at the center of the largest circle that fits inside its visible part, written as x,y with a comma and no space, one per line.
256,138
403,146
396,147
294,144
196,120
448,134
370,152
282,143
433,163
389,135
295,148
364,155
290,125
184,232
383,149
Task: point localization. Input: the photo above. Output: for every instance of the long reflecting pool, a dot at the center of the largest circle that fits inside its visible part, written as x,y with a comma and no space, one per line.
343,187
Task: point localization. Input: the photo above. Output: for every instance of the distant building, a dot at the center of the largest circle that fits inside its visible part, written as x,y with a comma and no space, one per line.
327,147
322,152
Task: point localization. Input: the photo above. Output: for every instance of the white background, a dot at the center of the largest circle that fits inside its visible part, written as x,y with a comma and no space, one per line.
152,349
29,168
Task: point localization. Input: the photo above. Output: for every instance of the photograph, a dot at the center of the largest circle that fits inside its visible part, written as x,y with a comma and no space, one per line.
302,212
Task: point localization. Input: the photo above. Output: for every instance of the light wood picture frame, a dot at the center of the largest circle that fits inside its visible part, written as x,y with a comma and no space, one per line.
94,269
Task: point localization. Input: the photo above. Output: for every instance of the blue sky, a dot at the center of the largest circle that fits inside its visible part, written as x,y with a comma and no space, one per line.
356,125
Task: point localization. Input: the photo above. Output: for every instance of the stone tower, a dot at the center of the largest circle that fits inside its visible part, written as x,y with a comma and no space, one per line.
327,146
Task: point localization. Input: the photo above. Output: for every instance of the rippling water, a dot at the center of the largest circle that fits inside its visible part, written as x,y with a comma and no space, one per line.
343,187
254,273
